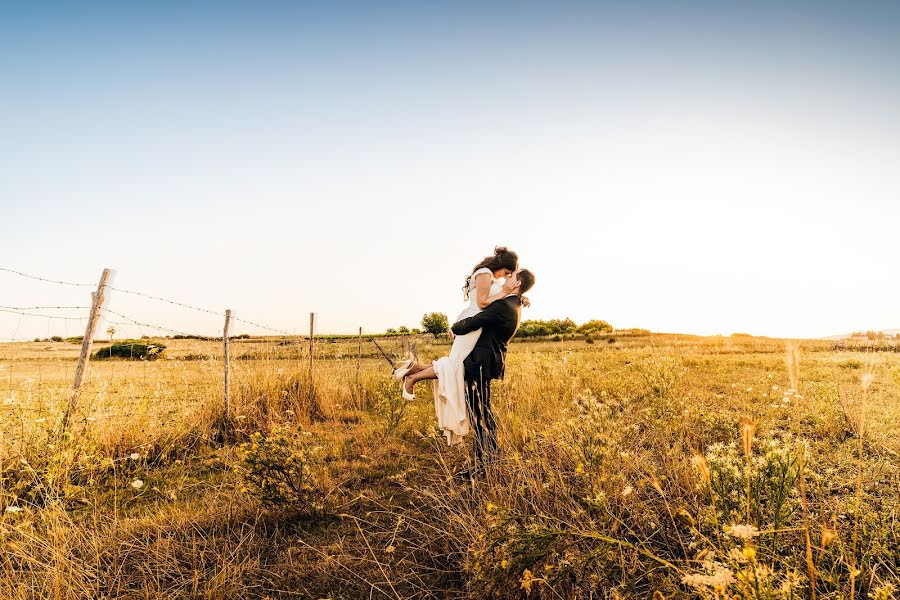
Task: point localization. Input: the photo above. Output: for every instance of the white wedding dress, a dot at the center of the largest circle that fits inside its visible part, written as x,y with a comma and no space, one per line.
450,387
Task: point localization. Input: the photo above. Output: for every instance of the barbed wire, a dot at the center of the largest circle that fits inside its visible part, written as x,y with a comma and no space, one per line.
27,314
45,279
166,300
151,297
22,311
279,331
199,309
134,322
45,307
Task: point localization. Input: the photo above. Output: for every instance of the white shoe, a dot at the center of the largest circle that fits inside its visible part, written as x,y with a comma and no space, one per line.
406,395
404,368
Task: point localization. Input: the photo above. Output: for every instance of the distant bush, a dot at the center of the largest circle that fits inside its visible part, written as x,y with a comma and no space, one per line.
595,327
131,349
563,328
75,339
435,323
56,338
633,331
533,328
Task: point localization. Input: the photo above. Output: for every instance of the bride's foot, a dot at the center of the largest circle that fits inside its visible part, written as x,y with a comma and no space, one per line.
403,369
407,388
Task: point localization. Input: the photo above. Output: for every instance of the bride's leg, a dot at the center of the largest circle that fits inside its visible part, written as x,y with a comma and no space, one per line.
425,373
416,368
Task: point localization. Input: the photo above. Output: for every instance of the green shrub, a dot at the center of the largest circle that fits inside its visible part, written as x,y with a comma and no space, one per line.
390,407
131,349
56,338
283,468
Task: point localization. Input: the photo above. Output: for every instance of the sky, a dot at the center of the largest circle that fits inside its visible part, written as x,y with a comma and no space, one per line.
690,167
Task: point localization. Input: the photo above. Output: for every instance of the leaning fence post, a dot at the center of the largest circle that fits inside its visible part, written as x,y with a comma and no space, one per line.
96,305
227,402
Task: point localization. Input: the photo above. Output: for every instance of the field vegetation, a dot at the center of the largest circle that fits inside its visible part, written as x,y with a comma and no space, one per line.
645,466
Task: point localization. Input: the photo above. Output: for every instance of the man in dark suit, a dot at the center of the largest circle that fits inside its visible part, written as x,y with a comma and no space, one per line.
487,361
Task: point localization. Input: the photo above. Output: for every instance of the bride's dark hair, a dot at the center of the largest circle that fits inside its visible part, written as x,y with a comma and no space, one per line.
503,258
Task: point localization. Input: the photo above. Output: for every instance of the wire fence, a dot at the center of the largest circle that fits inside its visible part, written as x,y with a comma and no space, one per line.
37,382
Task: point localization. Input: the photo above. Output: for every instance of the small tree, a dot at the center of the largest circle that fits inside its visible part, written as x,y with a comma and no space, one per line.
435,323
111,331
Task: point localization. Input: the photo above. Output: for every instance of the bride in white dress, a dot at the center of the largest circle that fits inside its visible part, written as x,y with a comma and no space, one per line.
481,289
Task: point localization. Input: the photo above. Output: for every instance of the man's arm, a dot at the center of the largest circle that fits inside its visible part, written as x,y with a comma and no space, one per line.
493,314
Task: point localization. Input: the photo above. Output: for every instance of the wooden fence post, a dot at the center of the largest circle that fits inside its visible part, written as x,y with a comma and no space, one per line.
315,409
358,356
312,324
84,357
227,403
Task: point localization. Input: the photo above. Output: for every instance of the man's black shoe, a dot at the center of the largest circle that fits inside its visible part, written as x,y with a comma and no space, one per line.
468,475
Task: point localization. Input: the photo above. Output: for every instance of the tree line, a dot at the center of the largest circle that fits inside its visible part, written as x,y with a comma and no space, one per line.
438,324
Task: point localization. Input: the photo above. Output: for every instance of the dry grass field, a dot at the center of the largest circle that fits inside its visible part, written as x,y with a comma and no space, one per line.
655,466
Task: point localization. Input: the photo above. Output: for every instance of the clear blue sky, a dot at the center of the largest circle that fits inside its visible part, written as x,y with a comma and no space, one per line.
678,166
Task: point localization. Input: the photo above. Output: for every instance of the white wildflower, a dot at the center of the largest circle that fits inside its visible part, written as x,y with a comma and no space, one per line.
743,532
719,579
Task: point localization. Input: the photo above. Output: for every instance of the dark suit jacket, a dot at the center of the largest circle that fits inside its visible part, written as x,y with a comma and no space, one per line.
498,323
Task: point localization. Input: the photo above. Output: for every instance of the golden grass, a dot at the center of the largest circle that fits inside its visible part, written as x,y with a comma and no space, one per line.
595,490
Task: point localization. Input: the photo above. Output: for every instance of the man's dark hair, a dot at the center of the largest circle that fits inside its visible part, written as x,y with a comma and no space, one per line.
526,280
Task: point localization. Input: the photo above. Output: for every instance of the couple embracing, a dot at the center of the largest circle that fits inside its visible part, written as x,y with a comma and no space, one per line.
462,380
